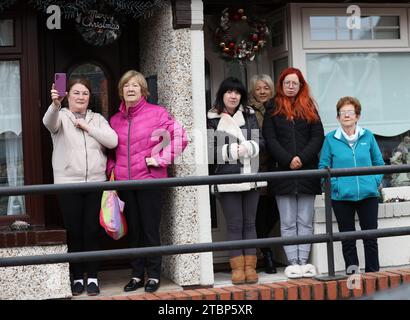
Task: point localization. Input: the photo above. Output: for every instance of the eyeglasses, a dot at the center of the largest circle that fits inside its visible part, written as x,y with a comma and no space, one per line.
293,83
347,113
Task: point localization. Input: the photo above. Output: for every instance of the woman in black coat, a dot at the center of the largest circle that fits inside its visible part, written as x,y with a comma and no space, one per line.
233,139
294,136
261,89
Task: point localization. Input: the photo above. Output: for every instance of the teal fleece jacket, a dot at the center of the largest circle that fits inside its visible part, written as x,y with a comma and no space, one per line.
337,153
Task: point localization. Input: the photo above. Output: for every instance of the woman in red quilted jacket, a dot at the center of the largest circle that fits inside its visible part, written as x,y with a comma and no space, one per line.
149,139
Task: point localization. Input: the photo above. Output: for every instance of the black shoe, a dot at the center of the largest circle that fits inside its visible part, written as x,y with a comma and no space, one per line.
77,288
151,286
268,262
93,289
134,285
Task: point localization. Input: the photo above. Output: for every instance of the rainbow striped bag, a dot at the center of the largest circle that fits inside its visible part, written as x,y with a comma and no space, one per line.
112,217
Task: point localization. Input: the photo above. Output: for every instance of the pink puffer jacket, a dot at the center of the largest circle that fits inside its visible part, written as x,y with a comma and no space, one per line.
146,131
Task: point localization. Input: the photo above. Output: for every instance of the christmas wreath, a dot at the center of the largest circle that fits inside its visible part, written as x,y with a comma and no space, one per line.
240,37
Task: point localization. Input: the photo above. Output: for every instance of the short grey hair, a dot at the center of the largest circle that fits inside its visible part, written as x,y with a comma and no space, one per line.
260,77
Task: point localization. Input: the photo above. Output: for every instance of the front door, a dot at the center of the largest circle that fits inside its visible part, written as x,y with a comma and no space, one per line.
65,50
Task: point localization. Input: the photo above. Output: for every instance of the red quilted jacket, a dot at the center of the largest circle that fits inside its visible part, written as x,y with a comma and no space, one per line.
147,130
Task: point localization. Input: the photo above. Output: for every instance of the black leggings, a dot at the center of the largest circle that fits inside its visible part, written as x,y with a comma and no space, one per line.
81,220
367,210
266,217
143,214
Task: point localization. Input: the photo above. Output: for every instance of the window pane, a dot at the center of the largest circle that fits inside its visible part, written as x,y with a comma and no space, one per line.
365,22
11,143
395,151
378,81
343,34
361,34
322,22
342,22
371,27
277,31
387,21
318,35
387,34
99,86
6,33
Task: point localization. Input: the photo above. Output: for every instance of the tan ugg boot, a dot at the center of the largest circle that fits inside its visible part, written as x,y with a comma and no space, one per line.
250,272
238,269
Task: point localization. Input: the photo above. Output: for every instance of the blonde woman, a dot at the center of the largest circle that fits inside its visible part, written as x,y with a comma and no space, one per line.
261,91
141,154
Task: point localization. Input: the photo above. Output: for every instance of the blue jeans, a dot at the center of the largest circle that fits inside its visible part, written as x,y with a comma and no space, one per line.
296,219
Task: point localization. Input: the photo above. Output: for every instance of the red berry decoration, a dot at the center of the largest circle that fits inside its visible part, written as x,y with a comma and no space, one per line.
240,47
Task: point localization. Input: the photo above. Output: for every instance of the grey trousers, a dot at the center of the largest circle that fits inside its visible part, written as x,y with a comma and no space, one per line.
240,214
296,218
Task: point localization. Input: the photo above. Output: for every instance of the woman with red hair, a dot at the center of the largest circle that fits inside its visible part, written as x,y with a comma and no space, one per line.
294,136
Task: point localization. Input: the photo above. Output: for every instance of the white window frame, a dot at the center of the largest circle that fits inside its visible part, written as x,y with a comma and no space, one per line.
376,43
298,50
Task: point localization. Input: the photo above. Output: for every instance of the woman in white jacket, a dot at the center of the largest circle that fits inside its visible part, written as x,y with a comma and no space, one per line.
80,138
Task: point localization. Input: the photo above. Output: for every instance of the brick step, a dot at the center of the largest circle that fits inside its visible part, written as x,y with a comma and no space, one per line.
296,289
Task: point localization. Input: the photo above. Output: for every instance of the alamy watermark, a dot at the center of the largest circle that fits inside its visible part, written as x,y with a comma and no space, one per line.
354,20
354,280
54,21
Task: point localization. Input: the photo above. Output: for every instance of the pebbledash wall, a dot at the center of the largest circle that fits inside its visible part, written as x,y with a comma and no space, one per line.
176,57
37,282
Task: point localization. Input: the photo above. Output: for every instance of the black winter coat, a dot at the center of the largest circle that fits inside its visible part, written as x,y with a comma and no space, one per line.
217,139
286,139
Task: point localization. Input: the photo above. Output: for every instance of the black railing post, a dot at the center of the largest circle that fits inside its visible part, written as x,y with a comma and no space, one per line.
329,231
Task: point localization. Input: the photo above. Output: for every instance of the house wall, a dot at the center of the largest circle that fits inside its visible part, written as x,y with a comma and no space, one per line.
37,282
176,57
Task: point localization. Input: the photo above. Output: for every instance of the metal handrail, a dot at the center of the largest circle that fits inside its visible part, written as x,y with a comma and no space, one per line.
329,237
114,254
197,180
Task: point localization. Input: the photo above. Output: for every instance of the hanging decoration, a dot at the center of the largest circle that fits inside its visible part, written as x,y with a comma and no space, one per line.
4,4
98,21
71,9
239,37
136,9
98,29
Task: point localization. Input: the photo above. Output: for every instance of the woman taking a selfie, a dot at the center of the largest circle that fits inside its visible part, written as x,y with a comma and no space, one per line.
80,137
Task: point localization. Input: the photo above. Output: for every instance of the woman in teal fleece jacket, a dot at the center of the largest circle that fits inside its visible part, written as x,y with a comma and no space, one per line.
352,146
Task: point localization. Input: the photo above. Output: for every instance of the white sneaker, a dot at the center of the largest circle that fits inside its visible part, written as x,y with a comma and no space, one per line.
308,270
294,271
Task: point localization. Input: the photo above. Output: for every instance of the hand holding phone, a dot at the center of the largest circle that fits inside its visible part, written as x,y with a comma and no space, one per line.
60,81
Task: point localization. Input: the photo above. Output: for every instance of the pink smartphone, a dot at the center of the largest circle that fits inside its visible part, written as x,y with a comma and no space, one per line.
60,82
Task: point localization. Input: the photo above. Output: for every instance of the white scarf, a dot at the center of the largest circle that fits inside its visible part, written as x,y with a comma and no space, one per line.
353,138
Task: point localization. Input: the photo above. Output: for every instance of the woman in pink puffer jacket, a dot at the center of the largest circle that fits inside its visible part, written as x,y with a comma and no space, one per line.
149,140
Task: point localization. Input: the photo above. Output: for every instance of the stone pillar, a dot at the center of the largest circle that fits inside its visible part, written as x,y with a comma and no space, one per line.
176,57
